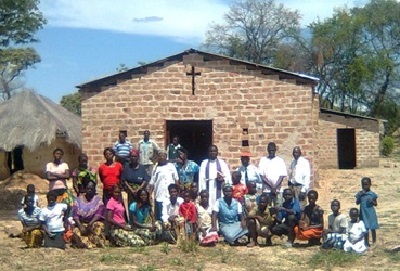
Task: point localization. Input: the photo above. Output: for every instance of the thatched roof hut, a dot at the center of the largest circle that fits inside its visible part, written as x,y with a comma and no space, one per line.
36,125
31,120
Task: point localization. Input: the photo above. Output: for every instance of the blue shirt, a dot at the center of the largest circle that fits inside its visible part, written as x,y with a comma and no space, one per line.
187,172
122,149
293,205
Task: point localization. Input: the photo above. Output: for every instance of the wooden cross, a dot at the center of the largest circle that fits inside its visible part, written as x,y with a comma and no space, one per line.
193,74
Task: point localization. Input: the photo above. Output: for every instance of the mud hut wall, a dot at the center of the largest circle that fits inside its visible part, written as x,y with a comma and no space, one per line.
367,139
233,97
35,162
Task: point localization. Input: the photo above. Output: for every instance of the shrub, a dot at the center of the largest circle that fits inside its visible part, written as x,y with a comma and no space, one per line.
388,145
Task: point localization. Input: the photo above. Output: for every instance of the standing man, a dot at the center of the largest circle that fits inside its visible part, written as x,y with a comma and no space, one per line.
214,172
172,150
250,173
122,148
147,150
273,171
299,176
164,175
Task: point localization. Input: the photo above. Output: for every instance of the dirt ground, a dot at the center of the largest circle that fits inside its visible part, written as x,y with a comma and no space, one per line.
340,184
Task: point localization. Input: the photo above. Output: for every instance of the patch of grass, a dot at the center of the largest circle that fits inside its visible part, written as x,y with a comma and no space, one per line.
146,268
200,267
394,257
225,255
165,248
176,262
138,250
332,258
188,246
107,258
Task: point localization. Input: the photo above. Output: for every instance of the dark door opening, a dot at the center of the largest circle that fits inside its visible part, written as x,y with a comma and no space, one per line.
346,144
15,161
194,135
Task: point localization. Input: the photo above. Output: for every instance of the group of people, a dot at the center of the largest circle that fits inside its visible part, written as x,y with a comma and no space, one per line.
151,195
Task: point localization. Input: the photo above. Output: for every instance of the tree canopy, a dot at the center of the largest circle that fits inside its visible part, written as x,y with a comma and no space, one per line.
72,102
19,22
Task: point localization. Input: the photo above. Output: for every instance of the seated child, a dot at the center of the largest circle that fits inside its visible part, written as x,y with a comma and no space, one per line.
53,220
29,217
335,235
204,211
187,210
239,189
170,213
356,232
260,220
30,190
311,223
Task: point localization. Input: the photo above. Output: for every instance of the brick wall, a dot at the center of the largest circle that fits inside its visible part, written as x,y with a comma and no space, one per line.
230,95
367,140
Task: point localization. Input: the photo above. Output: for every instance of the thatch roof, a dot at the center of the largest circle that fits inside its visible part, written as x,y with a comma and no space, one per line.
31,120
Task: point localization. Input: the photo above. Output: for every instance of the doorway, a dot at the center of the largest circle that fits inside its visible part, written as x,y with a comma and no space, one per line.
194,135
346,145
15,161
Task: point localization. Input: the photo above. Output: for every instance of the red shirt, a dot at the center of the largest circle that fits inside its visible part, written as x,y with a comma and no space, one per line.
188,211
109,175
239,190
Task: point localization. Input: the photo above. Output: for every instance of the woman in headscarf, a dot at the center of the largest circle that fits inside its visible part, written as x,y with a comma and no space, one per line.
88,214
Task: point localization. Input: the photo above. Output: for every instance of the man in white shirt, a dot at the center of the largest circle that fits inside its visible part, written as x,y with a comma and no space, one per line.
273,170
299,176
214,173
164,175
250,173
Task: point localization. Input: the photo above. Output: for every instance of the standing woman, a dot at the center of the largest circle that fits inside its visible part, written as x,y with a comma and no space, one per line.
134,177
57,173
109,173
88,214
228,212
83,174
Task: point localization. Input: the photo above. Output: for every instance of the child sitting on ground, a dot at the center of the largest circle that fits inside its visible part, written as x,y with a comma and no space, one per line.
367,200
335,235
355,239
260,221
239,189
187,210
311,224
30,191
204,211
53,219
173,223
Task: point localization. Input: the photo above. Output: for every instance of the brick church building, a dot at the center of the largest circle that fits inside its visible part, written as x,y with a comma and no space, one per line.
214,99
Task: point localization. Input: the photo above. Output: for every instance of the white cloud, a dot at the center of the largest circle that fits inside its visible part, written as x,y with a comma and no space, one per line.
179,19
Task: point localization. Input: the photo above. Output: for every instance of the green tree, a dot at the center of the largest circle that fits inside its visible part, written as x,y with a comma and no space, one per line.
72,102
19,22
252,31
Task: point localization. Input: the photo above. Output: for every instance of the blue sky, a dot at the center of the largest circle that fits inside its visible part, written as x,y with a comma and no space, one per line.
89,39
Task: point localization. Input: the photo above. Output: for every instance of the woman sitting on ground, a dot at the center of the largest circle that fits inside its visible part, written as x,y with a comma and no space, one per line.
120,233
311,224
142,217
227,210
88,214
29,217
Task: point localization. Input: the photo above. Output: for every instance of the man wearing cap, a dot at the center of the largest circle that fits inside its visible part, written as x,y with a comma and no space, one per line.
273,171
299,176
250,173
214,173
